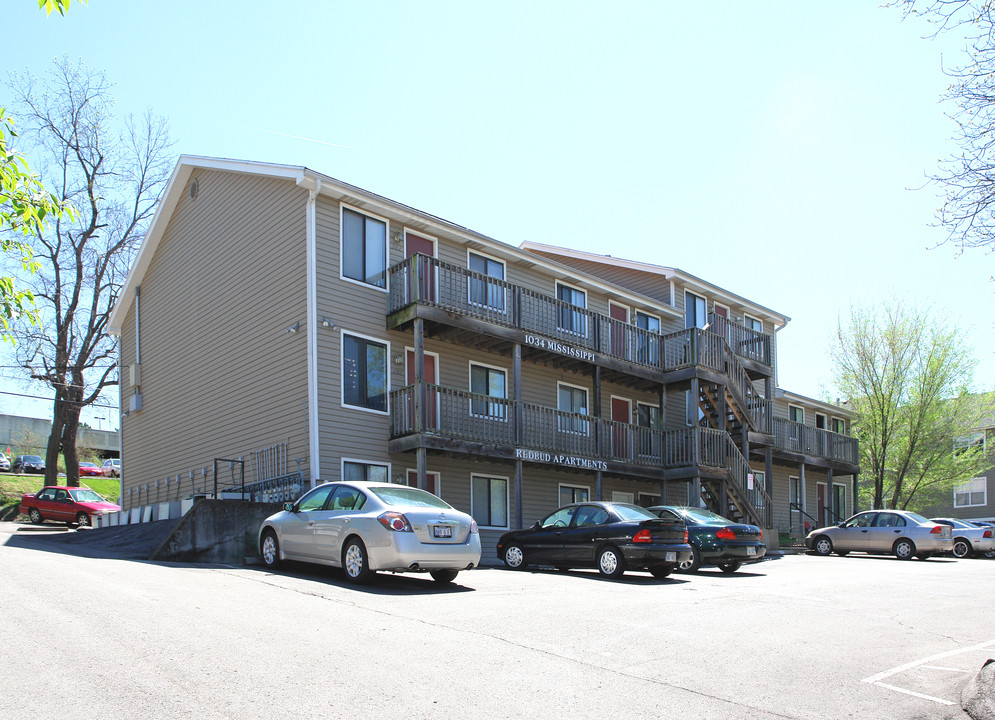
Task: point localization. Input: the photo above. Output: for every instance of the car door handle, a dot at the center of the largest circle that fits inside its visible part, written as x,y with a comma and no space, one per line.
310,523
896,531
863,531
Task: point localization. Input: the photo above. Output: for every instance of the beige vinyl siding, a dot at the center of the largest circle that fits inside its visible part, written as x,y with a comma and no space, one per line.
220,375
644,283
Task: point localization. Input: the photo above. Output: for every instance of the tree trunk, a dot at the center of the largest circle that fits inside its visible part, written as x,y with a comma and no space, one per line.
55,442
69,453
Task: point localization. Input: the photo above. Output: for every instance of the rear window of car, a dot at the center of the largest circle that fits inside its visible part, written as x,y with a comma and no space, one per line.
404,495
633,512
918,518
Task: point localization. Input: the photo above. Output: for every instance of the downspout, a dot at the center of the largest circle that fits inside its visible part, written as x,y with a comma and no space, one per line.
314,447
120,390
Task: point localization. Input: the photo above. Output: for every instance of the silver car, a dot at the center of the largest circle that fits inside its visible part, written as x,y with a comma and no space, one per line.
364,527
884,532
969,539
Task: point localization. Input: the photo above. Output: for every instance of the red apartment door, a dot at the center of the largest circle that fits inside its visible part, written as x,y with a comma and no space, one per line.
431,481
619,332
621,413
426,271
820,491
432,378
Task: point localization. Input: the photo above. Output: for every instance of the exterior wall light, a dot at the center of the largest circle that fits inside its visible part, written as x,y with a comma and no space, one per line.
293,328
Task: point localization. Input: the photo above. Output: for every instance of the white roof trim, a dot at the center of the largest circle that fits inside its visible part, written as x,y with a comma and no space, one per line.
666,272
827,408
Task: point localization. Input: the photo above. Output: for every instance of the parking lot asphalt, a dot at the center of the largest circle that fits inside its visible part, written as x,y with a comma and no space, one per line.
797,637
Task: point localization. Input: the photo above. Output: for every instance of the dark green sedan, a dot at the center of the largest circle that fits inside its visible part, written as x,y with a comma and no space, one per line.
715,540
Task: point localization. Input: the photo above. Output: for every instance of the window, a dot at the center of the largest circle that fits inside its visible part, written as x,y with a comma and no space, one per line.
315,500
695,311
692,409
354,471
752,323
839,501
365,381
795,495
648,416
484,291
972,493
569,319
648,347
560,518
573,494
796,414
346,498
839,426
572,399
964,443
488,381
489,501
648,499
621,496
364,248
820,421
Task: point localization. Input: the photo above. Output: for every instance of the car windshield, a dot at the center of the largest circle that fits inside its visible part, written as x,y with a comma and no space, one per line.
404,495
705,517
85,495
633,512
87,465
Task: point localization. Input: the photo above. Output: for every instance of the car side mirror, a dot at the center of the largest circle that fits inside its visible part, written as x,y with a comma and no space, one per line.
289,507
536,526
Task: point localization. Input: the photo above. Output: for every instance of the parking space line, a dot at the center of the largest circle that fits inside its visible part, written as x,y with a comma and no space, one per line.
874,679
914,694
950,669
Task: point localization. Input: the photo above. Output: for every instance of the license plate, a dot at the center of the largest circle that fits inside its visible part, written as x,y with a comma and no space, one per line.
671,557
751,551
442,531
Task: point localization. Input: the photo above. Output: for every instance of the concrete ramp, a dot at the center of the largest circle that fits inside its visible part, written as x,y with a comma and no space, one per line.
215,531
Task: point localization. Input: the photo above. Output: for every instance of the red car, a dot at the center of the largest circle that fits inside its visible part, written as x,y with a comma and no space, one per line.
88,468
71,505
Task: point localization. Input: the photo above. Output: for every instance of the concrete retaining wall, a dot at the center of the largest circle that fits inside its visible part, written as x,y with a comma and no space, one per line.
216,531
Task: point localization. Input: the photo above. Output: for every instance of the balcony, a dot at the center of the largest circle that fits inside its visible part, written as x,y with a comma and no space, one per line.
802,440
440,418
446,293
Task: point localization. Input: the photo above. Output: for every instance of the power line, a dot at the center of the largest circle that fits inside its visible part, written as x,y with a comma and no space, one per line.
41,397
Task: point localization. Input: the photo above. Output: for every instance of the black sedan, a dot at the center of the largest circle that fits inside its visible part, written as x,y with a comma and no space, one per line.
613,537
716,540
28,463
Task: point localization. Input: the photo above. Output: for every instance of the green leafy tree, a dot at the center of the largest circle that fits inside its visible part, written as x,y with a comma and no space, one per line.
61,6
906,372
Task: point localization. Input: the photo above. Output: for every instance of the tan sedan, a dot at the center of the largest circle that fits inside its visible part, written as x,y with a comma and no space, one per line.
883,532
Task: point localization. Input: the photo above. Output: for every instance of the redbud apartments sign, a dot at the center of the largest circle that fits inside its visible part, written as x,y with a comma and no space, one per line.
537,456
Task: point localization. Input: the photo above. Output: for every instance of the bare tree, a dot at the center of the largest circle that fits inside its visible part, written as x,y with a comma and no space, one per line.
114,179
968,176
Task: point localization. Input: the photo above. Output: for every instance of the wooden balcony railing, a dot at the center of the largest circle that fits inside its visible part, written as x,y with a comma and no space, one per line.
797,438
745,342
429,281
462,415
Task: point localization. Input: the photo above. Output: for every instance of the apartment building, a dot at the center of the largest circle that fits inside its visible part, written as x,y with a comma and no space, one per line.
283,326
973,499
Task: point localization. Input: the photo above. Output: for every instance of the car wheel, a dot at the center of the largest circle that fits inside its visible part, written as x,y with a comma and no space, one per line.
35,516
356,562
962,548
514,557
823,545
990,554
904,549
611,564
692,565
270,549
444,577
82,519
661,571
730,567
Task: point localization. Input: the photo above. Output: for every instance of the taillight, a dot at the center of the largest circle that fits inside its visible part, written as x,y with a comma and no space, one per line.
643,536
987,534
473,527
685,534
395,521
761,534
725,534
937,530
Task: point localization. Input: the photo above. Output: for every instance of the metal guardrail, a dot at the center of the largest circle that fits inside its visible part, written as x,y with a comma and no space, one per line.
285,488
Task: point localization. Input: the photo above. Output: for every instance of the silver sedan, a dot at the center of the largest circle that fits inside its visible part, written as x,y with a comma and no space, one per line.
969,539
884,532
364,527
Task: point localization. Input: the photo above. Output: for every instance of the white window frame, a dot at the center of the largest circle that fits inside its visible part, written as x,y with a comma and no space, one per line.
469,386
556,295
342,276
704,299
843,514
560,486
968,440
499,261
507,498
797,407
832,423
747,316
587,394
342,333
436,473
960,488
825,421
359,461
659,320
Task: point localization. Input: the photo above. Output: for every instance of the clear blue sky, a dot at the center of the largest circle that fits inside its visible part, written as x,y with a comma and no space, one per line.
766,147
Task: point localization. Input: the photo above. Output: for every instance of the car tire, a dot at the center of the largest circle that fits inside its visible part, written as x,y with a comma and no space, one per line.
990,554
692,565
662,571
444,577
514,557
904,549
34,515
356,562
269,548
962,548
822,545
730,567
82,519
611,562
